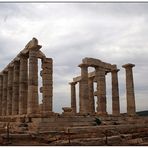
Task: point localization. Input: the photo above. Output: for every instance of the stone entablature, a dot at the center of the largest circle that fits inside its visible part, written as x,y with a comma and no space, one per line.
19,83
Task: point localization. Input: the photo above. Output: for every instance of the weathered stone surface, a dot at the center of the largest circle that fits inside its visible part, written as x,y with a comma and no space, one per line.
73,96
131,109
47,83
23,84
32,104
91,95
1,93
115,93
9,91
4,98
15,94
83,92
101,90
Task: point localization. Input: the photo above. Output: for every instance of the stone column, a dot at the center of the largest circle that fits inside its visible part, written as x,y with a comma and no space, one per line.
9,91
32,104
101,90
15,95
73,96
1,93
131,110
4,98
115,93
23,84
47,89
84,96
91,94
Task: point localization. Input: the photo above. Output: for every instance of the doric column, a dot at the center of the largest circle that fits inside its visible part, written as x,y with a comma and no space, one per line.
15,95
23,84
131,110
32,103
1,93
9,91
47,89
84,96
115,92
101,90
4,98
73,96
91,94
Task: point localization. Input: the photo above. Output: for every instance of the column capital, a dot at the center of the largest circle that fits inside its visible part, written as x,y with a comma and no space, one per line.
115,70
72,83
16,62
23,56
129,65
83,65
10,67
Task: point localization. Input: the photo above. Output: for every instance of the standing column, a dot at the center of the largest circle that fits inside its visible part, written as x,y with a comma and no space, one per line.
47,82
131,110
115,93
9,91
4,98
84,96
15,95
91,94
73,96
101,90
32,104
23,84
1,93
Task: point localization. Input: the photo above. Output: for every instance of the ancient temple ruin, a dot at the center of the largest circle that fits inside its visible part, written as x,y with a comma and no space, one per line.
29,122
19,83
86,88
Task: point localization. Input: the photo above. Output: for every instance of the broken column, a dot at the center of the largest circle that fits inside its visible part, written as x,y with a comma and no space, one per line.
1,93
115,93
32,104
4,98
9,90
47,82
130,95
101,90
23,84
15,95
84,96
73,96
91,94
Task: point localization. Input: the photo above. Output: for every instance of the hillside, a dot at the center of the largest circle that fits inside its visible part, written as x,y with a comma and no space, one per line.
142,113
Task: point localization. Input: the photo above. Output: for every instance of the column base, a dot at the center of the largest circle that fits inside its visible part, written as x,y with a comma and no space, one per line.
102,113
47,113
34,115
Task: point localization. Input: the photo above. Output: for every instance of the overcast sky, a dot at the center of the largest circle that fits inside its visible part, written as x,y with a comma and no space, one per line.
116,33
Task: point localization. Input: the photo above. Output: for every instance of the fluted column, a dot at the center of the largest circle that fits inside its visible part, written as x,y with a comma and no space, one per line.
1,93
101,90
23,84
4,98
73,96
47,89
15,95
115,92
9,91
91,94
84,96
130,95
32,104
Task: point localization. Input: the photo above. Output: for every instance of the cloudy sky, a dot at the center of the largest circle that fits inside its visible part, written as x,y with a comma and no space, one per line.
116,33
